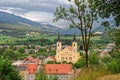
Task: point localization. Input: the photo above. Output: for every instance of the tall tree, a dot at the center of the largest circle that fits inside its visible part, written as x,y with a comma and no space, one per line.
7,71
82,15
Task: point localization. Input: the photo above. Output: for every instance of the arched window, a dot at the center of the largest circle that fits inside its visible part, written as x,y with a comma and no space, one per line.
74,45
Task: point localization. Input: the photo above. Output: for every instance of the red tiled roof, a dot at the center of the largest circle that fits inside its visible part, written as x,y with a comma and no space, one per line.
70,48
30,59
58,68
52,57
32,68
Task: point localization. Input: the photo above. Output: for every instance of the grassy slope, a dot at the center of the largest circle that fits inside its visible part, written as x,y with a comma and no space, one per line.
18,27
92,73
110,77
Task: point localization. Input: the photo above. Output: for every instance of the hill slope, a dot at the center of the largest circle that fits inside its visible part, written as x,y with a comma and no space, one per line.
13,22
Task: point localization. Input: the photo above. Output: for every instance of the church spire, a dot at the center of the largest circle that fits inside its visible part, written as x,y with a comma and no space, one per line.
74,37
59,37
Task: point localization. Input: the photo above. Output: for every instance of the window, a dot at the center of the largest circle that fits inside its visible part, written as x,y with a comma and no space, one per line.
74,56
70,58
31,76
66,76
62,58
74,45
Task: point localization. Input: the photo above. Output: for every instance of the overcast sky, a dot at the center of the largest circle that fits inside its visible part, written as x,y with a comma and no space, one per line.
36,10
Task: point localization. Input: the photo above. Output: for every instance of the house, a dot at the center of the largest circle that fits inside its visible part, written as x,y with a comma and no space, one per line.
22,69
67,53
18,62
30,59
49,58
61,71
31,71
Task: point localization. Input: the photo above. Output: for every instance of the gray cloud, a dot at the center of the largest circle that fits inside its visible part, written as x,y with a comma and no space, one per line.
37,10
35,5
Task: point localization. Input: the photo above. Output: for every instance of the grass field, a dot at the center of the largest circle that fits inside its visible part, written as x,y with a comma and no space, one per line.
35,39
110,77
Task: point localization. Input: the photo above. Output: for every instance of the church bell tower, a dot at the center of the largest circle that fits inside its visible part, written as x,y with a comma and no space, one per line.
58,44
74,44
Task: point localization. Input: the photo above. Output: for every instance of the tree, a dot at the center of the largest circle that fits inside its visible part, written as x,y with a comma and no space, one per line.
50,62
2,51
82,15
80,63
115,35
107,8
41,76
9,54
7,71
93,59
21,50
31,51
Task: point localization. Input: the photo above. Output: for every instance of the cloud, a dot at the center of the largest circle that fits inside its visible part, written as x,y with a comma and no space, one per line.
39,16
14,1
36,10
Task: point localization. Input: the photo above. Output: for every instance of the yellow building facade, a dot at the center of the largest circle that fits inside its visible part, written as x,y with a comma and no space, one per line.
67,53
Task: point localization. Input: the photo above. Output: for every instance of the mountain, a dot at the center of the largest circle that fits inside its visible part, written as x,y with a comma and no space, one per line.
70,31
13,19
12,22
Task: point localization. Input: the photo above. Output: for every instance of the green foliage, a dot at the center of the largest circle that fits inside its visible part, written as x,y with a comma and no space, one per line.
106,59
81,63
7,71
50,62
114,66
21,50
42,50
93,59
31,51
53,78
107,8
64,62
114,63
1,51
115,35
41,75
10,54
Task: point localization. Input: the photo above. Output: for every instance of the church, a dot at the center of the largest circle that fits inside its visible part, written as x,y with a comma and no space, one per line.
67,53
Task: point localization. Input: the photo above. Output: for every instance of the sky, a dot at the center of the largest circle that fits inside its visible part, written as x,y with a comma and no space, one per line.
36,10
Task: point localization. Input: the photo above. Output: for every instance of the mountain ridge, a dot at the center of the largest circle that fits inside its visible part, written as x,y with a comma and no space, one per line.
11,21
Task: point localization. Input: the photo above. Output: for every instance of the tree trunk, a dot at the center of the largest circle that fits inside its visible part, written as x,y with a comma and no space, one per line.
86,52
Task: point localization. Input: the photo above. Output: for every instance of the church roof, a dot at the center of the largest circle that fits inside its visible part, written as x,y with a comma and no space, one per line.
74,37
59,37
70,48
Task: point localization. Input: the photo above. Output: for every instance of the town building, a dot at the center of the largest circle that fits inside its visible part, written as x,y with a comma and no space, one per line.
30,59
67,53
61,71
31,71
49,58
